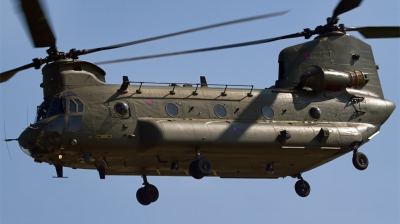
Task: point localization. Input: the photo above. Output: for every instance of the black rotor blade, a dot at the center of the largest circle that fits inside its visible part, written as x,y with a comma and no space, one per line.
204,49
377,31
87,51
4,76
345,6
41,33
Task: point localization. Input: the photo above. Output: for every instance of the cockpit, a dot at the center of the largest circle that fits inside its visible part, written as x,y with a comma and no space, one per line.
58,106
64,114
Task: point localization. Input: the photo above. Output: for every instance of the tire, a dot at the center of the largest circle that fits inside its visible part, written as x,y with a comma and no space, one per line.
203,166
302,188
193,172
360,161
140,198
150,193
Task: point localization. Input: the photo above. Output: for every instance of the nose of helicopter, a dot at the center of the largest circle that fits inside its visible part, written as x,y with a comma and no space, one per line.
42,136
27,140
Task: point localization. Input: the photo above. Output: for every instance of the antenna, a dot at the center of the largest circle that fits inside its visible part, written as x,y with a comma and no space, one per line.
7,140
27,116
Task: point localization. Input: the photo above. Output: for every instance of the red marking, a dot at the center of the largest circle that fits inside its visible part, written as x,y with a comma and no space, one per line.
149,102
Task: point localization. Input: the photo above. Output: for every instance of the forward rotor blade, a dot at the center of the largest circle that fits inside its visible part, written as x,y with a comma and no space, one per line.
377,31
205,49
345,6
87,51
4,76
41,33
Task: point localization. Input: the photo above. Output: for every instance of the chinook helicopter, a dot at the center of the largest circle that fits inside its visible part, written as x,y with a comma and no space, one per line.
197,130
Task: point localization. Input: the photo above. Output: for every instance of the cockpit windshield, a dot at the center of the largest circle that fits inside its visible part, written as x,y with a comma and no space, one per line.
56,106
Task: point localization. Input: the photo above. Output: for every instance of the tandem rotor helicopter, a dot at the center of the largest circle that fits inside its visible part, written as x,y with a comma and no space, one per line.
326,102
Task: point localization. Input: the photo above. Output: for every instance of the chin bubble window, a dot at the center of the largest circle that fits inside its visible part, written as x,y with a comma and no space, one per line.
315,113
220,110
121,108
171,109
267,112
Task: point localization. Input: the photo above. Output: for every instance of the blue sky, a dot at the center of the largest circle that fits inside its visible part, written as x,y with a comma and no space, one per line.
340,193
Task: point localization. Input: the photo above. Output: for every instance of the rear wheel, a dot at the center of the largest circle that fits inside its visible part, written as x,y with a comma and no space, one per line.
203,166
302,188
140,198
360,161
193,171
150,193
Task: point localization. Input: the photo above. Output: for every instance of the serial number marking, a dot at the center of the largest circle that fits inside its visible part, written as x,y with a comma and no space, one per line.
104,136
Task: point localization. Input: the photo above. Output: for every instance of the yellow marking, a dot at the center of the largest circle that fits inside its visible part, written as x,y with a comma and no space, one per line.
186,172
293,147
330,147
158,171
104,136
214,172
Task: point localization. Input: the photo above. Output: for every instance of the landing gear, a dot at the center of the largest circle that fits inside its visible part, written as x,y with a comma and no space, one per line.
302,187
200,167
59,171
147,194
102,172
360,160
174,167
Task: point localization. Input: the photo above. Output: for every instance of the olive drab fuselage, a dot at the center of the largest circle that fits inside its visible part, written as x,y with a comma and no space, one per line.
326,102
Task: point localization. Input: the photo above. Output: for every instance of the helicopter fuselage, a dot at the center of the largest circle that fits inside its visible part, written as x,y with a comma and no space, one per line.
142,129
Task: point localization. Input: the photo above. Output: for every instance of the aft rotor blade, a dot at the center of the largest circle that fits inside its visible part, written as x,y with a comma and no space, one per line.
377,31
4,76
345,6
41,33
205,49
87,51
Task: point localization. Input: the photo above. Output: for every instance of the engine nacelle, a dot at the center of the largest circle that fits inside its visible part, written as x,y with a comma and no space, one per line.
320,80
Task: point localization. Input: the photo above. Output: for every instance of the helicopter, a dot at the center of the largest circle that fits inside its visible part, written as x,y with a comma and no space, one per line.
185,129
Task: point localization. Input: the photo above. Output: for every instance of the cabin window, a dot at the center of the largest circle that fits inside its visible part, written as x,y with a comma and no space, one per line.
220,110
315,113
121,108
267,112
171,109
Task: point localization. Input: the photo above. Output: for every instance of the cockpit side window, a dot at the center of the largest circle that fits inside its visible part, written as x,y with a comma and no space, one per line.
80,105
56,107
72,106
41,112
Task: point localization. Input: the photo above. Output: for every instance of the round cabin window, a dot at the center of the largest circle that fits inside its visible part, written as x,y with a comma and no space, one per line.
267,112
171,109
220,110
121,108
315,113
